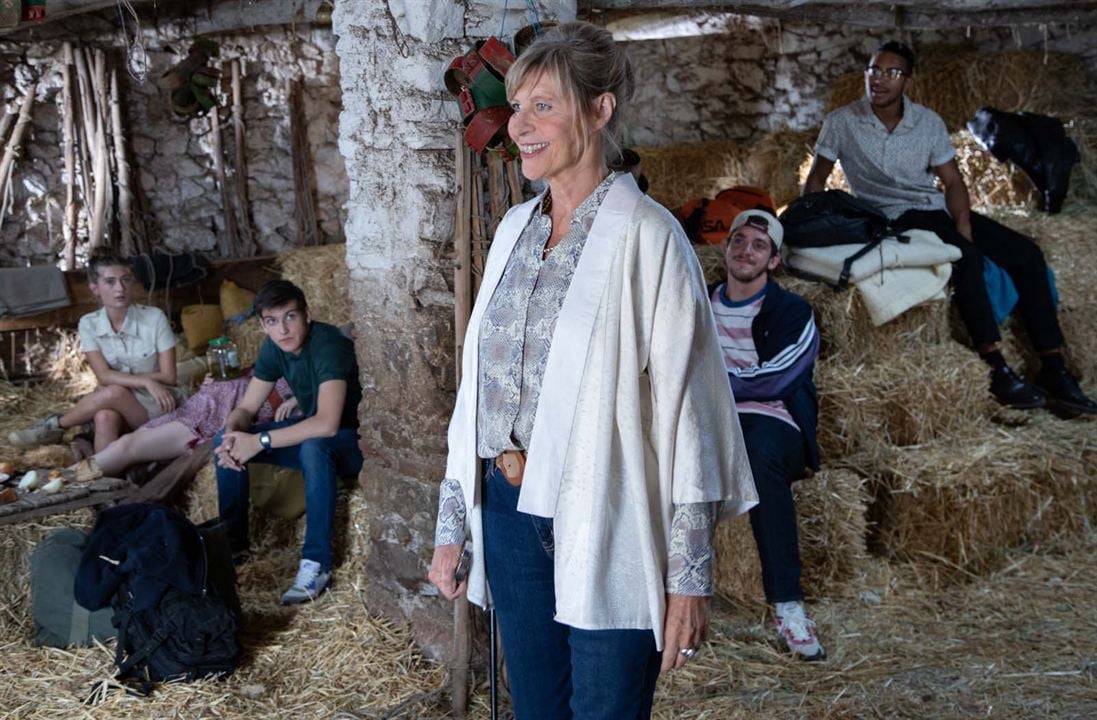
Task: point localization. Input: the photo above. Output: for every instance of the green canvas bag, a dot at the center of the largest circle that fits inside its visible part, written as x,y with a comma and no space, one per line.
58,620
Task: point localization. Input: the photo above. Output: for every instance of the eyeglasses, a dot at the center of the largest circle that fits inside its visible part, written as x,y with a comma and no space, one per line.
876,72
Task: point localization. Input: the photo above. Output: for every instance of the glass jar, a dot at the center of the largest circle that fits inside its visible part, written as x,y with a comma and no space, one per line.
224,360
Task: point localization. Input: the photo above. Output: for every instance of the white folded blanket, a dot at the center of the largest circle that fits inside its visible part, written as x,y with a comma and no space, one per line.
892,277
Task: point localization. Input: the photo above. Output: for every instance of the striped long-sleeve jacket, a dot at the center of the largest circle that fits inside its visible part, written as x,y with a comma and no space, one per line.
787,343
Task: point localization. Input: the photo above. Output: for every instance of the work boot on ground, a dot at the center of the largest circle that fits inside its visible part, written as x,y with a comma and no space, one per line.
308,584
1011,390
1063,393
43,432
796,630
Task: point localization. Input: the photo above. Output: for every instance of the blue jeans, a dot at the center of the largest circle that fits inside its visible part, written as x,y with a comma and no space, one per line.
320,460
776,453
556,672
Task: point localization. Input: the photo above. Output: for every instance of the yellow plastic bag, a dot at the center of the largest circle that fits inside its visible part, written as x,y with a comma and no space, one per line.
202,323
235,301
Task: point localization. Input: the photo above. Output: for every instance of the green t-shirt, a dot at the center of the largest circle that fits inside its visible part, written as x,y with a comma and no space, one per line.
327,354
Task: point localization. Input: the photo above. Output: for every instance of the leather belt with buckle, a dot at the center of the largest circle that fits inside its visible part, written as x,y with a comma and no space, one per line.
512,464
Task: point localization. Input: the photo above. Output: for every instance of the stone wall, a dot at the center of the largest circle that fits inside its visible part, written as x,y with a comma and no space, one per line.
172,159
760,75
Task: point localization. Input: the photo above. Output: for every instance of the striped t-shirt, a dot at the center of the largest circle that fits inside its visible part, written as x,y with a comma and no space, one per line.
733,323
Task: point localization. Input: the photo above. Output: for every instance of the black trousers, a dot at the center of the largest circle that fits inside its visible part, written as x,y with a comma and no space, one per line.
1013,252
776,453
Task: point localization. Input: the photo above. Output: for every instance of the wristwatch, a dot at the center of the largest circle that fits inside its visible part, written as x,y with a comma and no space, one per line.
264,440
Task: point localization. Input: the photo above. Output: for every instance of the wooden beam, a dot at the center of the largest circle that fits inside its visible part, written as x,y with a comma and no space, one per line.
913,15
213,16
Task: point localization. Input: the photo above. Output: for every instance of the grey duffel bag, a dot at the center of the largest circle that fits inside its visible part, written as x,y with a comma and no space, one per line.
58,620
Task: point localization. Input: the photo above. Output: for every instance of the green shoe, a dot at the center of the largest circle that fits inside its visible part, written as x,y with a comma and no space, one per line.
43,432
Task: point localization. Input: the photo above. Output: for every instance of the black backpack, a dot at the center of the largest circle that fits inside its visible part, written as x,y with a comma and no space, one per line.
171,586
834,217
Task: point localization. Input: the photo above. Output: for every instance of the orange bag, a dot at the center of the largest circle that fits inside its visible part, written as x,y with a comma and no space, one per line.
707,222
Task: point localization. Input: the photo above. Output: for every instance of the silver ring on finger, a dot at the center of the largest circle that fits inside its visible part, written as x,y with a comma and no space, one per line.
688,653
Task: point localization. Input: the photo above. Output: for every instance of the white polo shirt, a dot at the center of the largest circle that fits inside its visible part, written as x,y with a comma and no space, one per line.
136,348
893,171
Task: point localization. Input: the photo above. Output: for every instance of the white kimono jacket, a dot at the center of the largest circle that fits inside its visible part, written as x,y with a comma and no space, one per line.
635,416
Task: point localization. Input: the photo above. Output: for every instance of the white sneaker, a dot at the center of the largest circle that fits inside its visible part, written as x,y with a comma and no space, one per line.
797,631
308,585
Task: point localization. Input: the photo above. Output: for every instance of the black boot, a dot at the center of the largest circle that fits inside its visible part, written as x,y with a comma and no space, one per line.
1011,390
1063,393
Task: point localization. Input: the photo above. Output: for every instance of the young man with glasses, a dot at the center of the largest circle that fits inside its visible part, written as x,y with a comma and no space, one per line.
130,348
893,151
769,342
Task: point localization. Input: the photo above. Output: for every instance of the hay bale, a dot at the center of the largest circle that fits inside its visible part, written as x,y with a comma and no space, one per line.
736,570
1064,238
679,173
903,398
836,180
847,332
775,159
830,510
964,500
200,498
711,258
832,520
990,182
321,272
248,337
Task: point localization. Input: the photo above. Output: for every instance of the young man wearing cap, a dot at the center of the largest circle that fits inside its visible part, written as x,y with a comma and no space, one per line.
893,151
770,344
319,364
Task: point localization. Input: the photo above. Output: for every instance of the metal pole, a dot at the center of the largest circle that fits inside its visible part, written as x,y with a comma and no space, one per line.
493,666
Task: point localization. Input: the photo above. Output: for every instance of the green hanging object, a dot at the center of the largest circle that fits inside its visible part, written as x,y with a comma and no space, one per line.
10,12
34,10
192,80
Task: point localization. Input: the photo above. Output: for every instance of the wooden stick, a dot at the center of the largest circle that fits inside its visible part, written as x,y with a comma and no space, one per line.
125,195
495,191
69,226
462,247
106,161
11,148
86,103
84,131
5,125
230,239
247,238
514,182
101,167
479,231
304,176
462,298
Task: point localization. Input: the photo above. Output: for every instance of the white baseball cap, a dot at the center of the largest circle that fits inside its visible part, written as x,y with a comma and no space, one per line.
761,220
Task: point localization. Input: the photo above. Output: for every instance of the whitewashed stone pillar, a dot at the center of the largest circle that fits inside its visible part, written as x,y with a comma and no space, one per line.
396,135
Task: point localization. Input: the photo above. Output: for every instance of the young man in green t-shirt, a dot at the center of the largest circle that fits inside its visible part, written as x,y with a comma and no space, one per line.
319,364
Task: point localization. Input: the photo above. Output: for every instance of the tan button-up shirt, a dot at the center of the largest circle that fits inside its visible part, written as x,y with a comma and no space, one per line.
136,348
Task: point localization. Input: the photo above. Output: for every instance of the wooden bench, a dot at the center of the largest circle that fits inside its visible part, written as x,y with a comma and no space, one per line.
31,505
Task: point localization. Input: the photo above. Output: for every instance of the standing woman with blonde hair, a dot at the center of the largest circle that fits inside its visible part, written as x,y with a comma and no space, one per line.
594,435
